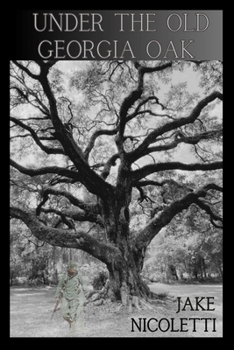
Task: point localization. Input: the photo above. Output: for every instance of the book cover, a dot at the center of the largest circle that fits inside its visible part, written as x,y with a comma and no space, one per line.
116,173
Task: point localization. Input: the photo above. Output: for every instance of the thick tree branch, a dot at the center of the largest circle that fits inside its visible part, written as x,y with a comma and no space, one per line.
89,212
77,215
207,209
161,183
163,218
26,70
151,138
93,138
153,168
65,238
73,200
25,97
142,103
44,148
69,223
143,196
107,167
93,182
192,140
134,95
47,170
213,186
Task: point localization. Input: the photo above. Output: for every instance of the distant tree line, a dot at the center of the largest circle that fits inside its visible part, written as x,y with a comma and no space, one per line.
186,252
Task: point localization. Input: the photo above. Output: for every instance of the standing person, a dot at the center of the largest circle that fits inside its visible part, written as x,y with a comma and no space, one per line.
70,289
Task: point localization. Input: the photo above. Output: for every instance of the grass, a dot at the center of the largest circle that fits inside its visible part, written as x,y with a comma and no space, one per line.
31,310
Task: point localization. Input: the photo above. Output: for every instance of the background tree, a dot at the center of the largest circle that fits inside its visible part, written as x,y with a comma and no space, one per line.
185,253
84,143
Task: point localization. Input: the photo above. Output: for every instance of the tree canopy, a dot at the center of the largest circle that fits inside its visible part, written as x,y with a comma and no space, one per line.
97,142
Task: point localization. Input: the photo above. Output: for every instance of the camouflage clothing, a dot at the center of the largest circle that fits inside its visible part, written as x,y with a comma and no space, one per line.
71,288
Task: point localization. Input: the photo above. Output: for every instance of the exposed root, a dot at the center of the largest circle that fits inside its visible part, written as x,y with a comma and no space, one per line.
136,303
147,305
120,307
147,301
139,303
130,306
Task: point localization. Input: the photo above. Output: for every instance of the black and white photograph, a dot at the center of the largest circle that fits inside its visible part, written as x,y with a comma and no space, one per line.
116,223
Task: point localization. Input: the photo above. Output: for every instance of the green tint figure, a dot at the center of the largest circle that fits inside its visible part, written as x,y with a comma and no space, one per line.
70,290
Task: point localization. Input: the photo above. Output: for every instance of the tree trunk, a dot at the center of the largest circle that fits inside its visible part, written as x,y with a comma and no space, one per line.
126,283
125,273
125,268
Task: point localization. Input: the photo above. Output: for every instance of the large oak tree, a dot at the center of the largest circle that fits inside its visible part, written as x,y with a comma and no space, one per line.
105,130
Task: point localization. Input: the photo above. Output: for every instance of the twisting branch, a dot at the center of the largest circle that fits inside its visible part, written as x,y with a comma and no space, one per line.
89,212
207,209
47,170
180,138
73,200
134,95
76,215
44,148
153,168
161,183
44,200
69,107
26,70
93,138
29,241
63,217
144,237
107,167
92,181
142,103
69,223
143,196
66,237
25,97
152,137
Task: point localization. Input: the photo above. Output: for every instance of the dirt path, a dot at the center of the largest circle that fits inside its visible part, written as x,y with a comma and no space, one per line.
31,309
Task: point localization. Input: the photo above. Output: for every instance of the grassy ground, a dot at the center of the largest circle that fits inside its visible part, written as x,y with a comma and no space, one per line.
31,309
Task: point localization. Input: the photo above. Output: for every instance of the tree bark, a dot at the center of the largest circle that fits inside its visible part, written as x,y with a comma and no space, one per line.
126,282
